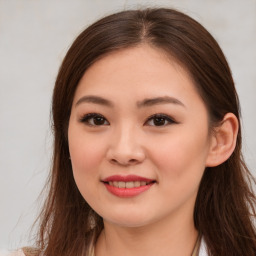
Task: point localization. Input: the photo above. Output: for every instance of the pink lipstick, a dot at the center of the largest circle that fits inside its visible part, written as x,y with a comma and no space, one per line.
127,186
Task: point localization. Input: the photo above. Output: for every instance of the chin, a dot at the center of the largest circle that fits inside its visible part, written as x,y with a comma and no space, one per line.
128,220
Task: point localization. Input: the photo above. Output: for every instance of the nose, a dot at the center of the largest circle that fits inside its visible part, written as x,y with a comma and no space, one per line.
125,148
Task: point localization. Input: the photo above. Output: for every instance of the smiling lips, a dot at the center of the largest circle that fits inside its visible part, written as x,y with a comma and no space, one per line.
127,186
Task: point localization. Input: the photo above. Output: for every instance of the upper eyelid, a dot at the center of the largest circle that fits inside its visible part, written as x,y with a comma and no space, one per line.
161,115
91,115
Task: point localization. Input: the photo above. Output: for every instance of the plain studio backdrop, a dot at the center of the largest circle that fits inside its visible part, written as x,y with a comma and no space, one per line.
34,37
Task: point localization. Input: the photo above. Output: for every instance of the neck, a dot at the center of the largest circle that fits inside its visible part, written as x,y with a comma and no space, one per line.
166,237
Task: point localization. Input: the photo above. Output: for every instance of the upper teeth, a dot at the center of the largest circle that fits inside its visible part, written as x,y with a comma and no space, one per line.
129,184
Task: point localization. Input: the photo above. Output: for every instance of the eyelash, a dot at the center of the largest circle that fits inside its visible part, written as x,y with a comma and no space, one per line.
91,117
167,119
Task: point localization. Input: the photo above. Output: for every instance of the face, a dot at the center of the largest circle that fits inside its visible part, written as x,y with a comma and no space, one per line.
138,138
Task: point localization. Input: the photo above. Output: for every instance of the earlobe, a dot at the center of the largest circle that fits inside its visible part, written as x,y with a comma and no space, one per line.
223,141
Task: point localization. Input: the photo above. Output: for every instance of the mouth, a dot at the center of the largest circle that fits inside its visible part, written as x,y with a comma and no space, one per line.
127,186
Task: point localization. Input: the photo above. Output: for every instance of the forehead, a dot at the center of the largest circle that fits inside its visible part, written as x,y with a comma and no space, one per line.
141,71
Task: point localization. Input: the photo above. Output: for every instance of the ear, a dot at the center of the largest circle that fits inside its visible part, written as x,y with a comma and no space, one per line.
223,141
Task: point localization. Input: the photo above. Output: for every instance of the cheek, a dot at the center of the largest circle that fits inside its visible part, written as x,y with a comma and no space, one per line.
86,157
181,156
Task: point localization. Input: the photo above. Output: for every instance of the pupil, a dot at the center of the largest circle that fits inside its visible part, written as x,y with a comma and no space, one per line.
98,120
159,121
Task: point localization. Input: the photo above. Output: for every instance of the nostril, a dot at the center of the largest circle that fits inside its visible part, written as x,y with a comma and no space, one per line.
114,161
128,162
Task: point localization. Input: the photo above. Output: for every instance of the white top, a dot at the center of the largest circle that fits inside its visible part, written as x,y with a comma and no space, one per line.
202,251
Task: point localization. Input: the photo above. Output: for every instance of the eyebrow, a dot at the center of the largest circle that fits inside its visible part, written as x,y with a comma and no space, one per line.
159,100
95,100
144,103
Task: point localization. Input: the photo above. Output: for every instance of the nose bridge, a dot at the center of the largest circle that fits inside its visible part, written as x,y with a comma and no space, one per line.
125,146
125,139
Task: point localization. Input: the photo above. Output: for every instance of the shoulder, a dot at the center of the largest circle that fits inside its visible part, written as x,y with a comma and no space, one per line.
13,253
26,251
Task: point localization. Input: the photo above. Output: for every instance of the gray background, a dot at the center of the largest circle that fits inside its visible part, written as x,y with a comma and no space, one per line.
34,37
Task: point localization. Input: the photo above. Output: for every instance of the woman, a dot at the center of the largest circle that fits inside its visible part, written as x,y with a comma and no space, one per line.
147,144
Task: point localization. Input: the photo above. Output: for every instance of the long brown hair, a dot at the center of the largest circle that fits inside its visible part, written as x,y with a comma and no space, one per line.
225,201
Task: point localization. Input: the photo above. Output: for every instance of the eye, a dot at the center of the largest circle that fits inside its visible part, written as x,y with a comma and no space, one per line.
94,119
159,120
